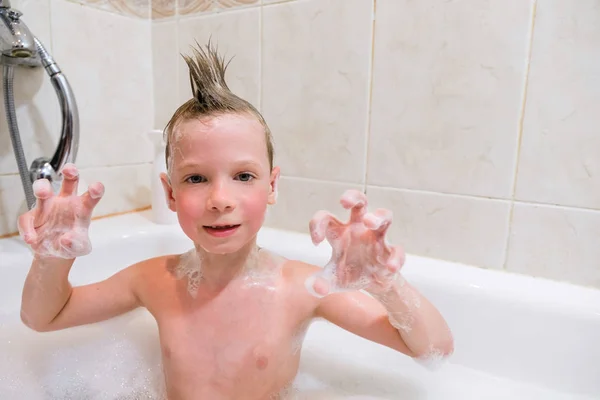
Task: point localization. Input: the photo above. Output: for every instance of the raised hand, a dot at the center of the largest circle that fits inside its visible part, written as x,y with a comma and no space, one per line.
57,226
361,258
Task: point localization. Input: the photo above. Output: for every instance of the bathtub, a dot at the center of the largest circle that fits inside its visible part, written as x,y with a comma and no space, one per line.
516,337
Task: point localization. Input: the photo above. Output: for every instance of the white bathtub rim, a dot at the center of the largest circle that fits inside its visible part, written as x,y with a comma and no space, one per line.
452,275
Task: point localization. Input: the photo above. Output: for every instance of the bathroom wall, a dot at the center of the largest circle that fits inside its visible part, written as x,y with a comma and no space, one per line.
472,121
105,53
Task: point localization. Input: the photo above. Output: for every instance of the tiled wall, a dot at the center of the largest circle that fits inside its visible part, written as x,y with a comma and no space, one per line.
106,59
472,121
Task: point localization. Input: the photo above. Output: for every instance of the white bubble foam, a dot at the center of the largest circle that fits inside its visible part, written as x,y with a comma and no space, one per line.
190,268
119,359
433,360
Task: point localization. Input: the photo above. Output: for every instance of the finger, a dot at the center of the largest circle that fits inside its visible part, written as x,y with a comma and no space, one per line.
319,224
27,228
317,285
73,245
70,181
356,201
378,221
91,198
42,190
396,259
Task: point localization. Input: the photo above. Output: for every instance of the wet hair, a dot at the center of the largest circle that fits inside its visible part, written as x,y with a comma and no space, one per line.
211,97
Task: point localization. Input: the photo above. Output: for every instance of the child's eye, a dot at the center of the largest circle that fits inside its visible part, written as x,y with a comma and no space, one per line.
245,177
196,179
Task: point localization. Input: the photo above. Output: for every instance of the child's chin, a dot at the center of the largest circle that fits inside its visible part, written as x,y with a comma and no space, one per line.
232,246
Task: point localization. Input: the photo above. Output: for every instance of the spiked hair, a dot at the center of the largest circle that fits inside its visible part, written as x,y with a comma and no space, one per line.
211,97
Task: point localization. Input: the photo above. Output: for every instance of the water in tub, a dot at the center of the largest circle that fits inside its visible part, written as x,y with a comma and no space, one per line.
120,358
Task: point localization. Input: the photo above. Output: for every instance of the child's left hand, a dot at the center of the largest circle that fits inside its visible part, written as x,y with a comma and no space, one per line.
361,259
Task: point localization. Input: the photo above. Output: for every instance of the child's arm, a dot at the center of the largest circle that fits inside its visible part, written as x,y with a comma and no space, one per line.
401,318
50,303
397,314
57,231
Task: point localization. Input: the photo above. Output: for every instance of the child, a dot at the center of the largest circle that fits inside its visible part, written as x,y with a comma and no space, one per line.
231,316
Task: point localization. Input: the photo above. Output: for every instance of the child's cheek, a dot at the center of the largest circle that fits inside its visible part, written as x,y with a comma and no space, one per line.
256,208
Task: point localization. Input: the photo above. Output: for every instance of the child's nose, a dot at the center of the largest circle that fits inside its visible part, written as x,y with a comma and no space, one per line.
220,199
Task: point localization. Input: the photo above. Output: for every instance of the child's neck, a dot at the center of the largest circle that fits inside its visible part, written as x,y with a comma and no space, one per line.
218,270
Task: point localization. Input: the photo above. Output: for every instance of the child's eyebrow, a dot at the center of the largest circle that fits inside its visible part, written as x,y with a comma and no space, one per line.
248,162
237,164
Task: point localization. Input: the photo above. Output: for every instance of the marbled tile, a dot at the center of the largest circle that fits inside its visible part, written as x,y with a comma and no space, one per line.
448,82
555,242
133,8
315,72
187,7
111,79
299,199
559,161
163,8
463,229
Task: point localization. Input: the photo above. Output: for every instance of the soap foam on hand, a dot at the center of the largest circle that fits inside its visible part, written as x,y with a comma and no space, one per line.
57,225
361,258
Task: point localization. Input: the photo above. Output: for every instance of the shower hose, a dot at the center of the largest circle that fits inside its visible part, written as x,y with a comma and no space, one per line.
69,140
15,137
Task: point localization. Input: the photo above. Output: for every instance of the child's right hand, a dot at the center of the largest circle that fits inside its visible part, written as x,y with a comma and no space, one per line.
57,226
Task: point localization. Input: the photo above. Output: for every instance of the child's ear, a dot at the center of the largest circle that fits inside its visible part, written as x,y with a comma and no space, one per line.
166,182
274,182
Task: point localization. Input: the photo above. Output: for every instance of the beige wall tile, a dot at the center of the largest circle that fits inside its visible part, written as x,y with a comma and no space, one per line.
165,69
236,35
107,60
127,187
448,80
559,160
131,8
188,7
315,86
555,242
38,113
12,203
300,199
456,228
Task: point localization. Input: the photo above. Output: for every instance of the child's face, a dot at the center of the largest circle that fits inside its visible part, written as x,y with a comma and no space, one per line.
220,180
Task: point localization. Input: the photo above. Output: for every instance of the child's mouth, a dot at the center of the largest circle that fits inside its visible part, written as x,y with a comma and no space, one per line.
220,230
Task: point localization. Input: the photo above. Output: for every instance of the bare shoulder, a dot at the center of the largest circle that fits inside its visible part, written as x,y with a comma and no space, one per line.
295,273
150,272
298,271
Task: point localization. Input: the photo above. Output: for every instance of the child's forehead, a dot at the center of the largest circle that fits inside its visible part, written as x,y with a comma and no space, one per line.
227,136
225,126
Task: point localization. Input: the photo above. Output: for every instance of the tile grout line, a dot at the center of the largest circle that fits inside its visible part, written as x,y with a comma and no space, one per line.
457,195
177,53
153,68
260,58
520,132
369,97
95,218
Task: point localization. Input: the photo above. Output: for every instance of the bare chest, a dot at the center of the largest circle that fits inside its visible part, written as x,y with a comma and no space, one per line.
249,337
